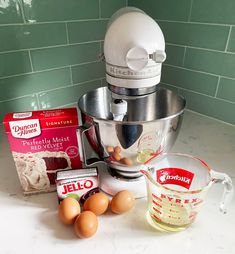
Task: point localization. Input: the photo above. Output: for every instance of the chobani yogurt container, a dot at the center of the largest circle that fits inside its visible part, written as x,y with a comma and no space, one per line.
77,183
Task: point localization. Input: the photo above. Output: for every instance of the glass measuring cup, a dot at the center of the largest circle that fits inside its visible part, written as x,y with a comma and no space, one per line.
177,185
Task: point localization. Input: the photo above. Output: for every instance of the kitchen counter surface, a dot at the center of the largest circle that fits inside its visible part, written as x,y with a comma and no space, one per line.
30,224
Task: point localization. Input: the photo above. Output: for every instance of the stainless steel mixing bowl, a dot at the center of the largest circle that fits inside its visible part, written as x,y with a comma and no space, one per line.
151,125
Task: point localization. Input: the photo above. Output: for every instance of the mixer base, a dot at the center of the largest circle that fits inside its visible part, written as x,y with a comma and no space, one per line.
111,184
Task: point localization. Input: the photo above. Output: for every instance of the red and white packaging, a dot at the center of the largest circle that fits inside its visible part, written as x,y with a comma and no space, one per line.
79,184
43,142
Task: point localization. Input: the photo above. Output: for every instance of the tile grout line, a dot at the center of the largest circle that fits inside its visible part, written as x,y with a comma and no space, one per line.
38,101
188,90
18,97
217,87
169,85
184,68
50,69
99,9
69,86
20,4
193,22
210,74
184,55
52,46
210,117
30,60
54,89
228,39
96,41
204,49
71,74
65,105
190,11
53,22
67,33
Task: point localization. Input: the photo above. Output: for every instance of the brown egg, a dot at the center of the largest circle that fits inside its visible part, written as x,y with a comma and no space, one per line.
122,202
126,161
97,203
110,149
116,156
117,149
69,209
86,224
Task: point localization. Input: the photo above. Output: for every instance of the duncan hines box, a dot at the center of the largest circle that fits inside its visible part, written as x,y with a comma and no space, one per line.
43,142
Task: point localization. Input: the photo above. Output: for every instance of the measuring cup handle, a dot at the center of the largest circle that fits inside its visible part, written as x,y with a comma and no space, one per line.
218,177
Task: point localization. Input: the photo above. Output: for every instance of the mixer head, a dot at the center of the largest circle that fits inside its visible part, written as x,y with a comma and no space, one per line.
134,49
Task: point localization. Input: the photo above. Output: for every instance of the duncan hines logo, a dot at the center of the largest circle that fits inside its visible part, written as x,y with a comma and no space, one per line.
176,176
25,129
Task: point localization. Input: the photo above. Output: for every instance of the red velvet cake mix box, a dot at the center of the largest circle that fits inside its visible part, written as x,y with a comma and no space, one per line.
43,142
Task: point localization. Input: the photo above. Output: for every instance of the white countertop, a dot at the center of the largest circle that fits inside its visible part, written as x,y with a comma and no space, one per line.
30,224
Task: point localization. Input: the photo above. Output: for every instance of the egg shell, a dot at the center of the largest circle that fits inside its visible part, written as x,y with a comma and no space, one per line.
97,203
122,202
117,149
86,224
116,156
69,209
126,161
110,149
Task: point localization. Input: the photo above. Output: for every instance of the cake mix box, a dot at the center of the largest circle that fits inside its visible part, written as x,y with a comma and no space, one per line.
43,142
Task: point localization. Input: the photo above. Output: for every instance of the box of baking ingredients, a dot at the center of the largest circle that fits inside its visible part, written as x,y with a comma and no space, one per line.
43,142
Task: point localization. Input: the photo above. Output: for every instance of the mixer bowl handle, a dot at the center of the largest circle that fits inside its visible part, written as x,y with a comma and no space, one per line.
88,162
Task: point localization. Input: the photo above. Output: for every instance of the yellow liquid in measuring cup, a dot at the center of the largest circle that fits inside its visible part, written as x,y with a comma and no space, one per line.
169,216
144,155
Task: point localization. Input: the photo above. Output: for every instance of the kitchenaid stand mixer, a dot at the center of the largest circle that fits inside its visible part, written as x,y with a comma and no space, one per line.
131,119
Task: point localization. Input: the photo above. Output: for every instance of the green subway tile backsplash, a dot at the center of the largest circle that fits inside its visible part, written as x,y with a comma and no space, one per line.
231,44
19,104
84,72
66,95
226,89
60,10
82,31
48,58
49,51
195,81
220,109
14,63
109,7
10,12
33,83
200,47
213,11
47,47
164,9
32,36
218,63
175,55
196,35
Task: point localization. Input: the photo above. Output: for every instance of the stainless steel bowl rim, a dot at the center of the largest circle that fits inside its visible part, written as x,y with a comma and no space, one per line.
135,122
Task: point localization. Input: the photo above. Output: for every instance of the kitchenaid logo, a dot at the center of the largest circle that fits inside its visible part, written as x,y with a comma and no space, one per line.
124,72
25,129
176,176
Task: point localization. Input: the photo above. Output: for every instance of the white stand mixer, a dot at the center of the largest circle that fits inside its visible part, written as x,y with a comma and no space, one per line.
132,113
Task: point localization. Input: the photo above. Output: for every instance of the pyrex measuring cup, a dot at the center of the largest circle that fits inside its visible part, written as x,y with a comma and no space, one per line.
177,185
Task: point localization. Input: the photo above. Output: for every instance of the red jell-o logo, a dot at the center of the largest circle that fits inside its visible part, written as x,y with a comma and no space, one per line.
72,187
176,176
25,128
